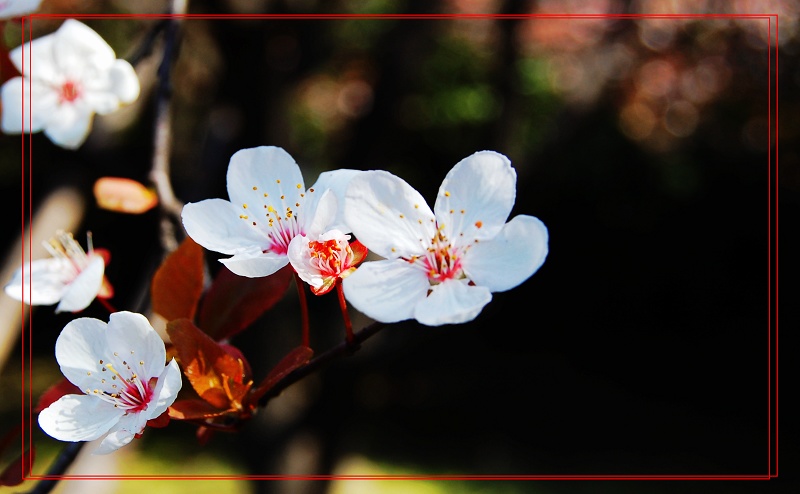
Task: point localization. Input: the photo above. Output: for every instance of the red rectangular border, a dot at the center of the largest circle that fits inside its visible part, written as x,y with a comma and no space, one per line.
772,261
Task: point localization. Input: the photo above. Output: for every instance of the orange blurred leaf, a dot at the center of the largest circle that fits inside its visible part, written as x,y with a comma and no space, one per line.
234,302
123,195
178,282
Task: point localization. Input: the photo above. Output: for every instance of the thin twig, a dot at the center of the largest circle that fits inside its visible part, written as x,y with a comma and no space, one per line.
145,48
344,348
169,205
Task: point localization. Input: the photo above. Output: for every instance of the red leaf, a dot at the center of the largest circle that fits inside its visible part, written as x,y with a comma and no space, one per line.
160,421
234,302
193,409
54,392
294,359
17,470
178,283
215,375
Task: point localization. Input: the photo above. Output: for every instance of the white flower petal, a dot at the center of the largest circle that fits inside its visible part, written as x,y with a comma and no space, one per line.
15,8
265,176
387,215
134,423
336,181
216,225
124,82
133,339
39,54
452,302
483,186
169,383
79,349
68,127
253,264
324,215
83,289
386,291
299,256
113,441
79,418
511,257
46,279
37,101
79,50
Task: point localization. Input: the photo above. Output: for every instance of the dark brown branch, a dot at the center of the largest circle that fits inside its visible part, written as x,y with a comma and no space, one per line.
322,360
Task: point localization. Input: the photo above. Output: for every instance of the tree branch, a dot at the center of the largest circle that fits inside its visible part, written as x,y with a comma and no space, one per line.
169,205
323,359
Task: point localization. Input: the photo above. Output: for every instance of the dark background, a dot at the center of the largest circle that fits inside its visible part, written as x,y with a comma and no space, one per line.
640,347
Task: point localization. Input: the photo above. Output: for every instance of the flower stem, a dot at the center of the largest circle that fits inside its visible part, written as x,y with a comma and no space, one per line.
301,293
348,326
105,303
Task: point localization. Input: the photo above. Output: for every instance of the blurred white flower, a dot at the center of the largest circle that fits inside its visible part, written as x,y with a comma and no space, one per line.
67,77
72,277
17,8
120,366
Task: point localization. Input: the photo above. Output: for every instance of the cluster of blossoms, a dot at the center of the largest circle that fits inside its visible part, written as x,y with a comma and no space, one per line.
438,266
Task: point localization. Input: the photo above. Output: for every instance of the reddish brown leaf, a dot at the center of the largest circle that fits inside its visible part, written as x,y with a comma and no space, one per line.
216,376
234,352
193,410
160,421
298,357
216,397
54,392
235,302
16,472
178,283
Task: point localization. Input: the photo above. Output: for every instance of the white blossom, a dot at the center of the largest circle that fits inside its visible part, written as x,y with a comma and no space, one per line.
67,77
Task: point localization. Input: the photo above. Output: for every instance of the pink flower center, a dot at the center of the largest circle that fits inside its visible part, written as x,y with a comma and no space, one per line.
129,394
442,261
69,92
281,233
136,395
